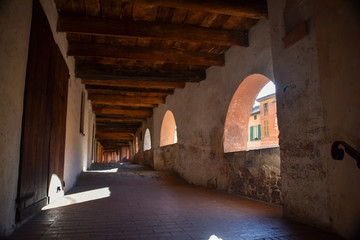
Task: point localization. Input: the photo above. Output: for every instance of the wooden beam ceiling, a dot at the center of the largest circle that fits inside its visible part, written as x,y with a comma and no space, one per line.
255,9
150,30
142,113
134,84
132,54
111,72
146,54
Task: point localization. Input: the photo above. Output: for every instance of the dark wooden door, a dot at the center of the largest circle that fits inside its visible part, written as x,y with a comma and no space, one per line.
44,118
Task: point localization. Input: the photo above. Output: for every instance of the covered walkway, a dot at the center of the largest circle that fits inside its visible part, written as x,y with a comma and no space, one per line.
127,201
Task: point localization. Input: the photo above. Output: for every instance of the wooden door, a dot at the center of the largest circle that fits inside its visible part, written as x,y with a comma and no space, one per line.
44,118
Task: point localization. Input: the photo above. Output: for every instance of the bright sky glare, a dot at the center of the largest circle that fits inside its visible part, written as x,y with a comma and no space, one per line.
269,88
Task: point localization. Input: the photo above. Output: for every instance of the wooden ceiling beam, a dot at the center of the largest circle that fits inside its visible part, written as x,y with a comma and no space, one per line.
114,72
127,93
115,145
142,113
113,135
119,99
134,84
146,54
256,9
130,91
113,141
150,30
118,130
126,120
114,128
101,103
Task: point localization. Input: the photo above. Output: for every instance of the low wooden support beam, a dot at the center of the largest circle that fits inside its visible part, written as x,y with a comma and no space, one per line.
256,9
123,112
129,92
128,130
116,145
119,99
134,84
150,30
117,72
146,54
104,119
113,135
119,104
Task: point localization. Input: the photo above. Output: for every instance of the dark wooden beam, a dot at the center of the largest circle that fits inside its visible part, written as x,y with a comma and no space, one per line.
115,145
113,135
112,141
256,9
129,92
115,127
142,113
134,84
96,89
123,130
104,103
138,74
127,120
119,99
150,30
146,54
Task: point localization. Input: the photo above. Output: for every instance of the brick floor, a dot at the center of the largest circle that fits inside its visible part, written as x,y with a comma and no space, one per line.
141,204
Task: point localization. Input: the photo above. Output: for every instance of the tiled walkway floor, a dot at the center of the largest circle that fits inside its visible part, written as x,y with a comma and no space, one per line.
135,203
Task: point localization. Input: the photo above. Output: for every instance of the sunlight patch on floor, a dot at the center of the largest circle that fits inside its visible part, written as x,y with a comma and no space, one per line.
214,237
81,197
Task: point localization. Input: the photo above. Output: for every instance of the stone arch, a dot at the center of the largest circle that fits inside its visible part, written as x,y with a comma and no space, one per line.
237,118
147,140
136,145
168,132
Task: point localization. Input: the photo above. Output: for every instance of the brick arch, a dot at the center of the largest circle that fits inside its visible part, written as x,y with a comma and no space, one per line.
136,145
237,118
168,130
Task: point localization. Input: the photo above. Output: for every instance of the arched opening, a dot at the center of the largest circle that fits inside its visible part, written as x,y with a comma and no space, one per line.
168,132
245,122
147,140
136,145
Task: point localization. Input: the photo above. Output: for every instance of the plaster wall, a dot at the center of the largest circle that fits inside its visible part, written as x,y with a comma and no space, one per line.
15,24
304,149
200,111
76,144
338,53
145,157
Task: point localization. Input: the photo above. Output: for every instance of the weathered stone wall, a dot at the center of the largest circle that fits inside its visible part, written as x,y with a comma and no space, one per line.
200,111
15,24
145,158
254,174
317,104
338,54
303,147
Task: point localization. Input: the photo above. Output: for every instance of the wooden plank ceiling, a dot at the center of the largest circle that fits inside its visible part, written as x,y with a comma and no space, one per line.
131,54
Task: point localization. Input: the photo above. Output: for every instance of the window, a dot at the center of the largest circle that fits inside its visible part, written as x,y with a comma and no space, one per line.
147,140
255,117
266,109
255,133
266,128
136,145
168,132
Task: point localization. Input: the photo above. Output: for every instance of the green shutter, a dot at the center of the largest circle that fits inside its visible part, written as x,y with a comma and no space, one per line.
259,131
251,133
